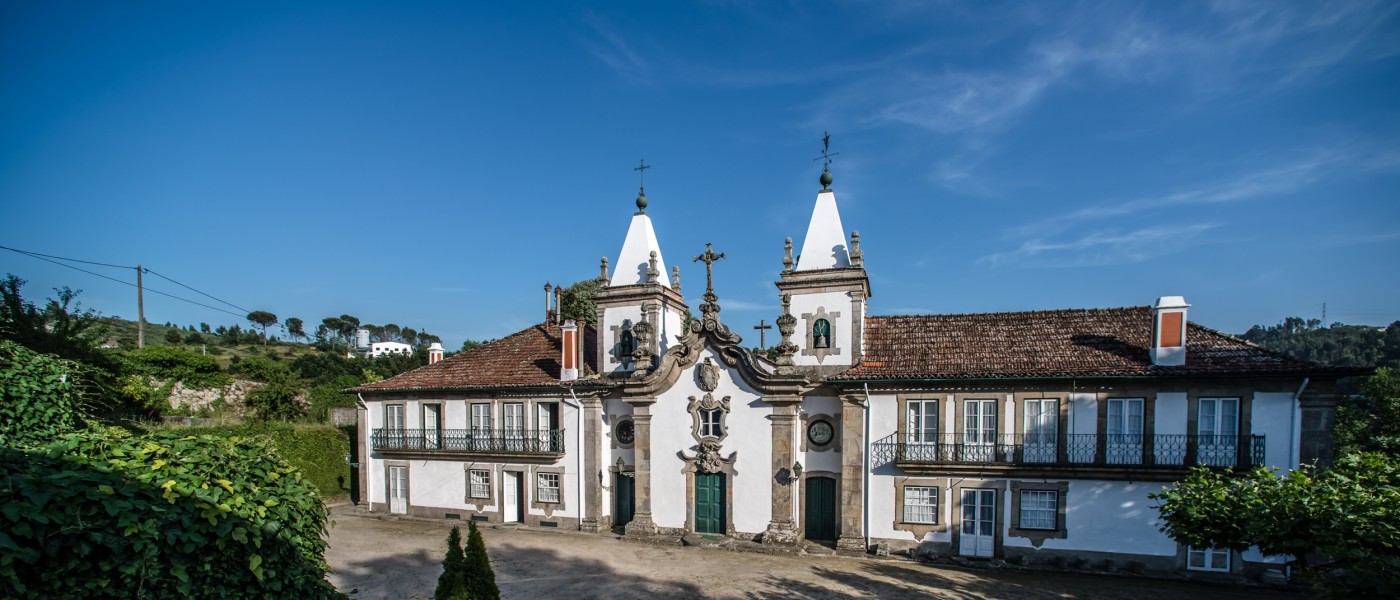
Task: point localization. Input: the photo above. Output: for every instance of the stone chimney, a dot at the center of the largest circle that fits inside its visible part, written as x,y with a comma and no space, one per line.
1169,331
568,360
434,353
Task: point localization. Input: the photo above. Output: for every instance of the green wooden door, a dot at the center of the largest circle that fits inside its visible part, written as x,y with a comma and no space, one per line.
821,508
626,498
709,503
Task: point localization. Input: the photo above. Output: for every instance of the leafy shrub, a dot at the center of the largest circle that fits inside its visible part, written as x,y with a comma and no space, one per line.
178,364
39,395
158,516
319,452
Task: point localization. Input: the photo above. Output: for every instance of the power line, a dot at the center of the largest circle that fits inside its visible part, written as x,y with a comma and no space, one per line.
245,311
38,255
44,257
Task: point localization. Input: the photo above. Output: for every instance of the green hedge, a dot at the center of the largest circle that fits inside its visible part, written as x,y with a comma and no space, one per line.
320,452
39,395
163,515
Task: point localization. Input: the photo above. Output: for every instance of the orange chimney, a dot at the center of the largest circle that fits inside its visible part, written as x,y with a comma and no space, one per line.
1169,331
569,355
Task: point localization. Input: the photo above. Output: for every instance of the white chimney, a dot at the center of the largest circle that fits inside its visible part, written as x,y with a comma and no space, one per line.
1169,331
362,339
434,353
569,354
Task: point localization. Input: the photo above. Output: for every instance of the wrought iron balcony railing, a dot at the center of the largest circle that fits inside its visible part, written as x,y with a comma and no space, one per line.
506,441
1110,450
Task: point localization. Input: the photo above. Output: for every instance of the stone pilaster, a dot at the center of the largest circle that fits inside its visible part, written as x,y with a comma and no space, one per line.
641,520
592,451
781,527
852,474
362,450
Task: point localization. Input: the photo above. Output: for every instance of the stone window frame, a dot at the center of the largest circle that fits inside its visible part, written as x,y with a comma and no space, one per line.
490,497
617,442
902,419
549,508
1037,537
955,511
922,529
388,485
1234,564
810,348
695,407
834,421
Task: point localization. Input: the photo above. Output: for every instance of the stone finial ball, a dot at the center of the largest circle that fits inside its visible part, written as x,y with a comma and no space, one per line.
641,201
826,179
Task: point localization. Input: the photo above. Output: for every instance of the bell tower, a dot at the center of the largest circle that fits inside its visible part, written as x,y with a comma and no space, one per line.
824,289
639,308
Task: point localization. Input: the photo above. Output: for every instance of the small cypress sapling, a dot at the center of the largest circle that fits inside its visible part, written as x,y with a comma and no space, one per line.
452,584
481,580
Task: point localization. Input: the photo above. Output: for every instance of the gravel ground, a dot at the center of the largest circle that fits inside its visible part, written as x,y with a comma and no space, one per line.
372,559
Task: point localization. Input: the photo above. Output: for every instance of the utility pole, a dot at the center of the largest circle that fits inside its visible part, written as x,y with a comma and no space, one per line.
140,312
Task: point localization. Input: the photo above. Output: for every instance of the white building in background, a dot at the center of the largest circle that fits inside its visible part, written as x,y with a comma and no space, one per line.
1034,437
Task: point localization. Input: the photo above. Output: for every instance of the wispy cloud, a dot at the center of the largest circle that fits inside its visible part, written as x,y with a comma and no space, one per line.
1101,248
612,49
1271,181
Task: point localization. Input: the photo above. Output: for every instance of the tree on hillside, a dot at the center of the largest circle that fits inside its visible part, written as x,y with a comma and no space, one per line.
61,327
262,319
295,328
1336,344
474,344
172,337
452,583
1370,422
1337,523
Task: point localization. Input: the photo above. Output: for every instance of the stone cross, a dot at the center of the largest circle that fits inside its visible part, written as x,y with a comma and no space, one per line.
709,258
762,328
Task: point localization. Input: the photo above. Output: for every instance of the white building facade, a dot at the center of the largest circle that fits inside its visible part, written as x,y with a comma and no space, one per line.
1033,437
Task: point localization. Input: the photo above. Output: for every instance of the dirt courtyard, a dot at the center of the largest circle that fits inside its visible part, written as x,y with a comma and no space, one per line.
373,560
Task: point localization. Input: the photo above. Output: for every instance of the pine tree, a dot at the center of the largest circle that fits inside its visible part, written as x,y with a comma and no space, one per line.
452,584
481,580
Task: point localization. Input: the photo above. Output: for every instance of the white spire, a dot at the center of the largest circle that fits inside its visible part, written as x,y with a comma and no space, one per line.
825,244
632,263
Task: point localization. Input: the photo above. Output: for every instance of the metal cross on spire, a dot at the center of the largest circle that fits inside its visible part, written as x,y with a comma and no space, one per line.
826,153
641,170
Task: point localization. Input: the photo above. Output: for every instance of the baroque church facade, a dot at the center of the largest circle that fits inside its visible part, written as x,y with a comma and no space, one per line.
1027,436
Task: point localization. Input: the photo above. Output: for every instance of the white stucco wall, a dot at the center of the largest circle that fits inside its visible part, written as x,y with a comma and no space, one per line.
749,434
668,327
826,460
834,302
1272,417
1107,516
1170,413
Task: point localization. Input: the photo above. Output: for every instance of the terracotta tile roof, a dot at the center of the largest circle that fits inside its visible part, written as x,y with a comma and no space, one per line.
527,358
1059,343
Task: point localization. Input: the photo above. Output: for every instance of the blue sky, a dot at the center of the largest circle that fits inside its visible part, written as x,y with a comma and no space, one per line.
433,165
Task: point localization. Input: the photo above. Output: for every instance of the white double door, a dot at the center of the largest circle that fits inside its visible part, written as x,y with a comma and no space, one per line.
398,490
977,537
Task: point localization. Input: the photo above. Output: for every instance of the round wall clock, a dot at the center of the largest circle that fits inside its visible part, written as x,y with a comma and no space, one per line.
820,433
625,432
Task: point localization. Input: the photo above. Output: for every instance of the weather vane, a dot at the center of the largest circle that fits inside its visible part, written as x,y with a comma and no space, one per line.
826,153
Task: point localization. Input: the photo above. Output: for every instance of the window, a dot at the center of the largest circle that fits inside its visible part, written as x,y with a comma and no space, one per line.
1042,422
481,418
1207,559
1217,427
710,423
1039,509
920,504
479,484
979,430
1124,424
921,427
547,487
821,333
